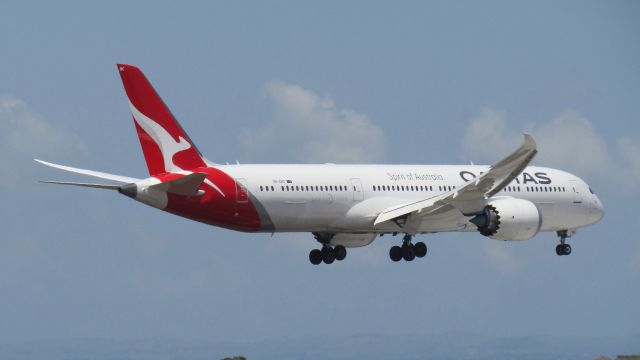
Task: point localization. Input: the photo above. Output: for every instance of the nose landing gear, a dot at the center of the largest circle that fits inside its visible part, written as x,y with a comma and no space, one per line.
407,251
563,248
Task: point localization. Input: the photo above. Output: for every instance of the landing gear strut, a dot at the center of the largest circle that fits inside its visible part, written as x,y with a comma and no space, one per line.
563,248
326,254
407,251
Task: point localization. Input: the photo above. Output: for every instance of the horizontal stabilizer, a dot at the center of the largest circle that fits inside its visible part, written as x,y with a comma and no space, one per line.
97,186
186,185
98,174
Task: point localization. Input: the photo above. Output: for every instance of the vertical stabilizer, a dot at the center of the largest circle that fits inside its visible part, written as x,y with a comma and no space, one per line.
165,145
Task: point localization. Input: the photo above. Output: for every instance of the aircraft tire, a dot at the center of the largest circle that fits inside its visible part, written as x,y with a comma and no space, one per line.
340,252
408,253
315,256
566,249
395,253
420,249
559,250
328,256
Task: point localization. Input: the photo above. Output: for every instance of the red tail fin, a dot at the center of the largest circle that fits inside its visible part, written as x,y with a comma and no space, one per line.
165,145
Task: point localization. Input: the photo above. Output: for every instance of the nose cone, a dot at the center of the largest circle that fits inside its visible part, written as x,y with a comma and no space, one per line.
597,210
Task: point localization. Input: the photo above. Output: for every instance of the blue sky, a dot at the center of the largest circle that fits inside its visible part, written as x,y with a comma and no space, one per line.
414,82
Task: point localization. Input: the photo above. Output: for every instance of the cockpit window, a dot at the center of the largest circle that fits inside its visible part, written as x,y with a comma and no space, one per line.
591,190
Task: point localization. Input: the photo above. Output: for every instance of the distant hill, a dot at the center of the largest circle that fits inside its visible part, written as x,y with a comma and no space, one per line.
453,345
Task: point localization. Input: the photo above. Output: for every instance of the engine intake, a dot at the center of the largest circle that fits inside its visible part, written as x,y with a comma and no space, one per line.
509,219
488,222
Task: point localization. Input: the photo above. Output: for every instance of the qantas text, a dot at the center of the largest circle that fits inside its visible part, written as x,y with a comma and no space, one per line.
539,178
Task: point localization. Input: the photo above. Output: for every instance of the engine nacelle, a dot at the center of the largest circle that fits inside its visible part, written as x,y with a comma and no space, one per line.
509,219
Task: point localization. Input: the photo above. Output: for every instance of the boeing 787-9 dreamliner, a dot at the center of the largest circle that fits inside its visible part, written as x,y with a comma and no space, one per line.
346,206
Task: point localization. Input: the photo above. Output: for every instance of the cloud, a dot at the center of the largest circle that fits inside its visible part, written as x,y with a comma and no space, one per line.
568,141
629,148
25,135
488,135
308,128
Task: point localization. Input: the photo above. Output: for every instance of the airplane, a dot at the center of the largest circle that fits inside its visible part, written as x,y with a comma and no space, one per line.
345,206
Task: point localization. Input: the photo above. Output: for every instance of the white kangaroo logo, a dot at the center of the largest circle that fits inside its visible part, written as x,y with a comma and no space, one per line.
168,146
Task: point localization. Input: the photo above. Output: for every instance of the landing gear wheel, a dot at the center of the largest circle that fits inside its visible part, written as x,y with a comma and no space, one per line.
563,248
340,252
559,250
408,253
420,249
315,256
395,253
328,256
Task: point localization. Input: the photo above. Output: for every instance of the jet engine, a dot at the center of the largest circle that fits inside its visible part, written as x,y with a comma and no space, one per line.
509,219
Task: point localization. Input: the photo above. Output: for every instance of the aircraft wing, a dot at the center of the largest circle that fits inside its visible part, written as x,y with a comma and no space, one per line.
470,197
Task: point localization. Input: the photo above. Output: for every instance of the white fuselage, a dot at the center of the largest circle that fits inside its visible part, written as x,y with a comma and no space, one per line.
347,198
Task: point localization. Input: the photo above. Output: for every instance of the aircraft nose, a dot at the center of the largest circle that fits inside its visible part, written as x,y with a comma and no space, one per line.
597,211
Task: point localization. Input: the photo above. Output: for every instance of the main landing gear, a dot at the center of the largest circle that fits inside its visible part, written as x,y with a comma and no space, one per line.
407,251
327,254
562,248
